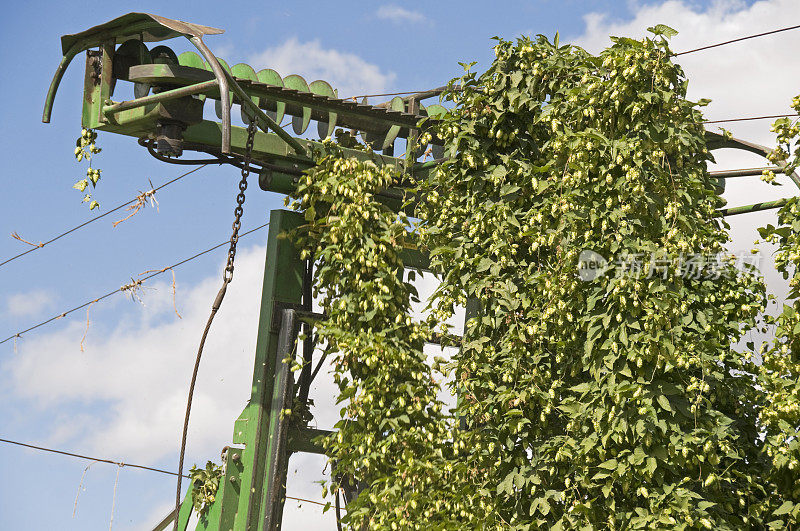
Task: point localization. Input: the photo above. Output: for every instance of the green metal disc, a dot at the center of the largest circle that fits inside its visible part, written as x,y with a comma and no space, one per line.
420,147
191,59
222,63
379,141
271,77
244,71
323,88
299,123
437,111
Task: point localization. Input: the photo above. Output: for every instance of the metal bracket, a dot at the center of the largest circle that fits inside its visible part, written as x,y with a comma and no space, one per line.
299,311
277,448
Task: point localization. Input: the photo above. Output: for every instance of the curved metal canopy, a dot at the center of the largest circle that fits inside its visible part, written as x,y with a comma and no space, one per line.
143,26
148,28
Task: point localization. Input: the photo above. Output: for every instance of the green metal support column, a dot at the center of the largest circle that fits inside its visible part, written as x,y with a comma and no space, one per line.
283,283
274,492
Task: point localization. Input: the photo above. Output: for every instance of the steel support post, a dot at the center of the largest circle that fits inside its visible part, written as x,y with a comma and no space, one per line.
277,450
283,284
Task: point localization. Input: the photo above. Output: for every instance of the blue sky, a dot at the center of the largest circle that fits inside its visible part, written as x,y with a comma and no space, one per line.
122,397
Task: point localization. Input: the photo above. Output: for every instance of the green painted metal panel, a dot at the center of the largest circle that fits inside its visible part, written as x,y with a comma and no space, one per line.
303,440
240,429
231,488
185,511
283,276
277,455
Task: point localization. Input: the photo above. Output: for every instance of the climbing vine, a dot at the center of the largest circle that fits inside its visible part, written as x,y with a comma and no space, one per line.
598,387
85,149
205,484
607,401
392,422
780,368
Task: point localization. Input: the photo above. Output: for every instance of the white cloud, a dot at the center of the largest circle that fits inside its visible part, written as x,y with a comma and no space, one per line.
398,14
345,71
29,303
124,397
138,369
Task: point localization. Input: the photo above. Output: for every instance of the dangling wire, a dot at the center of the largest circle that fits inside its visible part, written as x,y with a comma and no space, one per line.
227,277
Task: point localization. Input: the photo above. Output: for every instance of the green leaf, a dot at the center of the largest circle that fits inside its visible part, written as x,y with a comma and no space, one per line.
611,464
663,401
662,29
785,508
485,264
580,388
651,465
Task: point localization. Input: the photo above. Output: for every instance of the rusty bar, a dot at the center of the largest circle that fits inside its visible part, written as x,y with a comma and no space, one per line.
161,97
59,74
758,207
224,91
744,172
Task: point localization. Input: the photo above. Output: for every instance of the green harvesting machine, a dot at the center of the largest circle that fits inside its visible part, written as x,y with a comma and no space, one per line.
166,115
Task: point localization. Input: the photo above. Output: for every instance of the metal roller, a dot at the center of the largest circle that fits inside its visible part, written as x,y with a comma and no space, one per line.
380,142
437,112
164,55
244,71
131,53
271,77
323,88
299,123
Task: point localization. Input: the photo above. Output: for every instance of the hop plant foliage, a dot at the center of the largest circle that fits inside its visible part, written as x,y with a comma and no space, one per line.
85,148
205,483
392,424
613,402
779,373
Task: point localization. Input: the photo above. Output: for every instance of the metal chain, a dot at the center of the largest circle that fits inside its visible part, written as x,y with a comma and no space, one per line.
227,274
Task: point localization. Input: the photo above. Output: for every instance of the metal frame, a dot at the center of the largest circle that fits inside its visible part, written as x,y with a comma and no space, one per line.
252,493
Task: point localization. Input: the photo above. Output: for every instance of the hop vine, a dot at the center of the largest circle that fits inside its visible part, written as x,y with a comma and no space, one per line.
392,431
85,148
779,373
205,484
613,400
617,401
